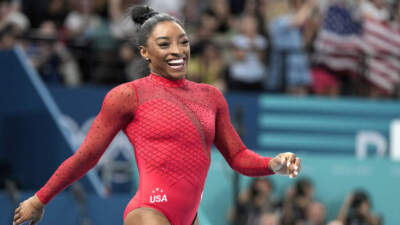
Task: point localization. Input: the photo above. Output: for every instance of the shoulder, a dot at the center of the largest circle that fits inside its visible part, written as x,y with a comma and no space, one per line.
123,95
214,93
123,90
208,88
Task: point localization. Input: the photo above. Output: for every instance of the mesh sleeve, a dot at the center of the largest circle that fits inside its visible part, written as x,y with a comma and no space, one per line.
116,112
231,146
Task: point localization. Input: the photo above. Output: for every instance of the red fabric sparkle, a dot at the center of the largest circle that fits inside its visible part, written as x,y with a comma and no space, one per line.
172,125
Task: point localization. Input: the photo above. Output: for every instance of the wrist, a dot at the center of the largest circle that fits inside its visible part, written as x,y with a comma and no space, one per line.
37,203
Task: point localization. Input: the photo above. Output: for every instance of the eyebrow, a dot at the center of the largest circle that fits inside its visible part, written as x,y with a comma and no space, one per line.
167,38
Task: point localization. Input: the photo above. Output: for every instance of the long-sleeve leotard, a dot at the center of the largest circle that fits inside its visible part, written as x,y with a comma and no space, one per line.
172,125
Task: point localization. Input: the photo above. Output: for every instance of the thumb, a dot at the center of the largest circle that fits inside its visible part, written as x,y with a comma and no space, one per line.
277,163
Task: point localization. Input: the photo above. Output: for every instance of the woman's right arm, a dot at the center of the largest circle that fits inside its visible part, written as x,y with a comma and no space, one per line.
304,13
117,111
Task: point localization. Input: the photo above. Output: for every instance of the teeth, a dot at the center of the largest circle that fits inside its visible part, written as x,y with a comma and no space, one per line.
176,61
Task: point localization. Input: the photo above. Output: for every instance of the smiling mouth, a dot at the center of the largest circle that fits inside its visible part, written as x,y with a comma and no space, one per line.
177,64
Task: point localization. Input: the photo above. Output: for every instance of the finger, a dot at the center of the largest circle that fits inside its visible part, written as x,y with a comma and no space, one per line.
19,221
291,168
17,216
292,158
276,164
285,161
297,164
17,210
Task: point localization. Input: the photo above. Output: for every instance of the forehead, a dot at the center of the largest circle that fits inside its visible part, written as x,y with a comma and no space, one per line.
168,29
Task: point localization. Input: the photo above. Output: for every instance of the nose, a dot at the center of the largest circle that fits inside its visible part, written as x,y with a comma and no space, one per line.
176,49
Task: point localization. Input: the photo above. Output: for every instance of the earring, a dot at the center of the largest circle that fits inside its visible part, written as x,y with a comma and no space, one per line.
148,60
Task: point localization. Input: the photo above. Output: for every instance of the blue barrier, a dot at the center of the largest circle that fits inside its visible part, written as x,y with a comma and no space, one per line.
32,138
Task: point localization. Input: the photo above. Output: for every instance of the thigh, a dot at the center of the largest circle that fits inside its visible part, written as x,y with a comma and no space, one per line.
145,216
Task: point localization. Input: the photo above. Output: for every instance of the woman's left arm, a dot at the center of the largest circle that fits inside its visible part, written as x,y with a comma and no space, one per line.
239,157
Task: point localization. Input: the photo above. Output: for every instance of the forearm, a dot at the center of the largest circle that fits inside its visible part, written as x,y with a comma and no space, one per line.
250,163
304,13
67,173
343,213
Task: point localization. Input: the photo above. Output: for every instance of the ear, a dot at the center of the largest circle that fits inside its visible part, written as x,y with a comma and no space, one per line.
143,52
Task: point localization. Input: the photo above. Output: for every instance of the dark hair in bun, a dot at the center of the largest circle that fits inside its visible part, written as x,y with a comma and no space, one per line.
147,18
140,14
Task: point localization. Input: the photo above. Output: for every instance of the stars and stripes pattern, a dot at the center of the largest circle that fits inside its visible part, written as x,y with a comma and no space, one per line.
381,44
338,42
343,41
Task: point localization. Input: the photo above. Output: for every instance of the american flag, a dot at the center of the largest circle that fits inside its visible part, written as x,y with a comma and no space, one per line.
343,41
381,45
338,42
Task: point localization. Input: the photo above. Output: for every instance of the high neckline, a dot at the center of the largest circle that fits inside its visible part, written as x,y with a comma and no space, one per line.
167,82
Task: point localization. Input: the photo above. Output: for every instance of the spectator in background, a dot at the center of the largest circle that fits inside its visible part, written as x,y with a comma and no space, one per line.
253,203
57,12
10,15
247,70
171,7
374,9
289,67
296,202
252,7
8,37
337,56
90,31
335,222
82,22
121,26
133,65
381,49
50,57
269,219
315,214
205,31
356,210
208,66
220,9
192,11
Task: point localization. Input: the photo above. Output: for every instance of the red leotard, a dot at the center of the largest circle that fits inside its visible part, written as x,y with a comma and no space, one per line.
172,125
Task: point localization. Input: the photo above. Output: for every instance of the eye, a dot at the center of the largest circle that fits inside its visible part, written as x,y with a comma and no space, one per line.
163,44
185,42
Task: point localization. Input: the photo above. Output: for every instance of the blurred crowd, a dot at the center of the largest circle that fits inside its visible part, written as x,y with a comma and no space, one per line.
258,205
300,47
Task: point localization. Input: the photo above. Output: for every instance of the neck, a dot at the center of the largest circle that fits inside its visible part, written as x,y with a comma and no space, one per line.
167,81
167,77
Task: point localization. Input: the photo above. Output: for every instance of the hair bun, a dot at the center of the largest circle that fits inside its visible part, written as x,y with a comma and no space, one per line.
142,13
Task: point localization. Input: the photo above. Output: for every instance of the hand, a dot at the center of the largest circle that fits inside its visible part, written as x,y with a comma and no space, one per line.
349,199
29,210
286,164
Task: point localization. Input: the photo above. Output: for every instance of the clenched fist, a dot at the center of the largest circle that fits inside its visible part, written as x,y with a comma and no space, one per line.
286,164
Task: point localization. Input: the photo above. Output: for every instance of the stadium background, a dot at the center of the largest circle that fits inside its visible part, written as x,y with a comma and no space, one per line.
346,142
